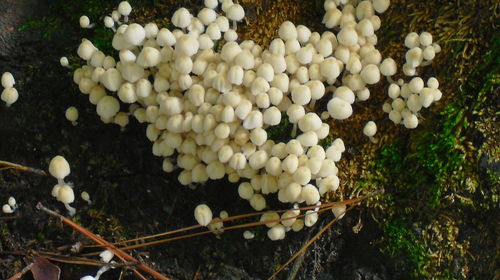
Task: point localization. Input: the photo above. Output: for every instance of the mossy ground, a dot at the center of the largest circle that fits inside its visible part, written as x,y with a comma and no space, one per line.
435,221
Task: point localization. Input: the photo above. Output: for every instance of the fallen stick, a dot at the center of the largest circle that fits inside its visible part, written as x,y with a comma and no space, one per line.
119,253
20,274
23,168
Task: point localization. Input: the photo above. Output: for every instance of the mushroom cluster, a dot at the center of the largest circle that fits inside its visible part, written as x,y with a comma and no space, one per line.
62,191
407,99
9,93
10,206
208,99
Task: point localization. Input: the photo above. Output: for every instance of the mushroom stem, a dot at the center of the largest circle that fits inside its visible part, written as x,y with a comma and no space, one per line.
294,130
234,25
125,19
61,181
374,140
101,271
390,80
426,63
91,26
113,28
71,210
311,105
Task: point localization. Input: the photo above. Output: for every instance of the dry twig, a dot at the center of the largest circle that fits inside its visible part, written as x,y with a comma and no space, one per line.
119,253
16,166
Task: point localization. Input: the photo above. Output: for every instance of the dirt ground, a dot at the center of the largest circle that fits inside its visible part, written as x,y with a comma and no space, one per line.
131,195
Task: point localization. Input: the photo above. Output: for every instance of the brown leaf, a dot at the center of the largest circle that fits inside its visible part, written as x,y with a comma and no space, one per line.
44,270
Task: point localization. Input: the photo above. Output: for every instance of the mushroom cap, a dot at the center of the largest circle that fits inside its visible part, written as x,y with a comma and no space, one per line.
292,192
124,8
303,33
370,129
253,120
109,22
84,21
416,84
59,167
290,163
381,5
311,218
410,121
245,190
370,74
212,4
66,194
230,35
339,109
287,31
107,107
235,12
9,96
270,216
71,114
425,39
229,51
310,194
412,40
309,122
289,217
181,18
258,202
8,80
302,175
134,34
301,95
7,209
345,94
348,36
187,44
86,49
203,214
277,232
388,67
207,16
339,211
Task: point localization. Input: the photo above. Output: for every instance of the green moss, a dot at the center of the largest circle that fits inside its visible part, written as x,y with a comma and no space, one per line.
403,244
281,132
430,173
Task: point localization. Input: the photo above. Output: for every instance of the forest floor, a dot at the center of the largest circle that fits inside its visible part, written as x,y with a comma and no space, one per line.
438,218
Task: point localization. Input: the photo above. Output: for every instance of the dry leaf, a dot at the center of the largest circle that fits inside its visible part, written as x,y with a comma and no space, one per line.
44,270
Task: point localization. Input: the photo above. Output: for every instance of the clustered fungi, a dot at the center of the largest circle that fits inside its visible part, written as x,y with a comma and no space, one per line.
62,191
9,93
10,206
208,108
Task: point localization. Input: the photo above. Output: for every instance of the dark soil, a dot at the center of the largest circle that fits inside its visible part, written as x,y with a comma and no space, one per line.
131,194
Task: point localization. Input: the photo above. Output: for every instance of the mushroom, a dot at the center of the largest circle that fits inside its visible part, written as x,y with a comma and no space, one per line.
9,96
85,22
8,80
235,13
59,169
369,130
124,9
66,195
7,209
181,18
203,214
248,234
277,232
71,115
86,197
